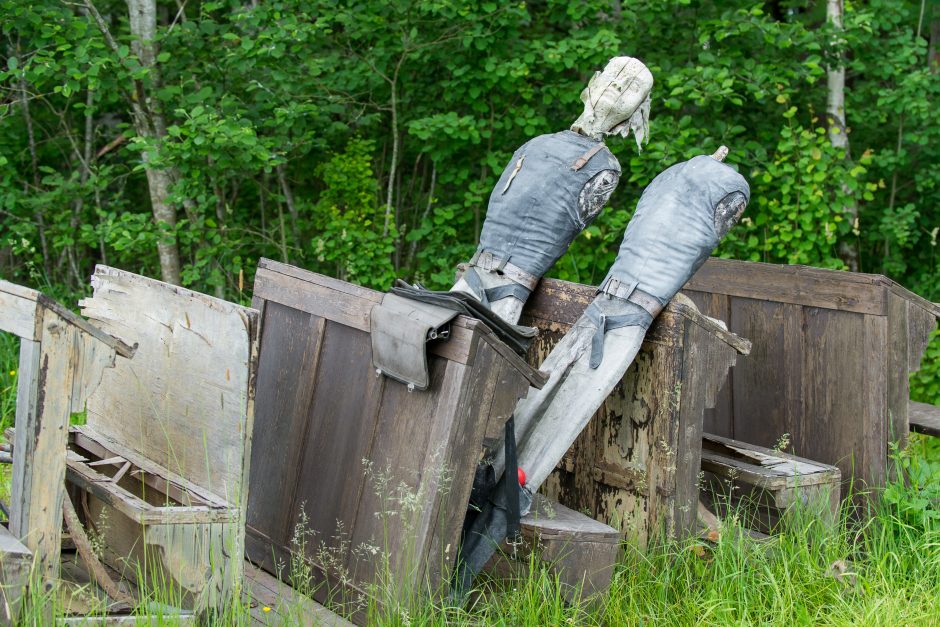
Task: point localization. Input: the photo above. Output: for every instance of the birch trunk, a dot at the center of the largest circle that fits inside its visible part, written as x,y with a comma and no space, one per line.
838,136
150,124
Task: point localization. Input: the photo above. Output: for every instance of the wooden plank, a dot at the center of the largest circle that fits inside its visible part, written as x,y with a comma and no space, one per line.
291,340
760,466
835,426
342,419
720,419
921,325
318,295
761,403
704,369
137,509
897,371
798,285
285,605
41,438
183,401
925,418
401,479
158,477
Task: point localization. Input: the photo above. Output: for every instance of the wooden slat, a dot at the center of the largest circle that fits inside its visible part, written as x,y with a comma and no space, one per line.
760,466
15,564
41,438
291,340
798,285
925,418
720,419
342,423
317,295
898,374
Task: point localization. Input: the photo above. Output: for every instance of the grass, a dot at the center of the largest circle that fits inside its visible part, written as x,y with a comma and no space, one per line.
878,568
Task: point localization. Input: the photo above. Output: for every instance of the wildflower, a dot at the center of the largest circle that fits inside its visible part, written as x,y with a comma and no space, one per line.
265,609
13,373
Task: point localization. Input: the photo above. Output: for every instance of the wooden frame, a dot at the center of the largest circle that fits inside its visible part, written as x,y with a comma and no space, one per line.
163,459
62,360
330,432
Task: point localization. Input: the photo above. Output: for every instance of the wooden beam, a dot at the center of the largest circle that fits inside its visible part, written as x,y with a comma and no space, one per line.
924,418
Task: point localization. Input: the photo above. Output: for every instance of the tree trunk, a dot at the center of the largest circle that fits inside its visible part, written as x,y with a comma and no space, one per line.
149,123
835,113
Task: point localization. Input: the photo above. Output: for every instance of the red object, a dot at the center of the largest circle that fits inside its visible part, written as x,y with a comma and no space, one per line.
521,474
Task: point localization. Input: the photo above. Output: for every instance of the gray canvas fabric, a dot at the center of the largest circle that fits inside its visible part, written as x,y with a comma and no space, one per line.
533,212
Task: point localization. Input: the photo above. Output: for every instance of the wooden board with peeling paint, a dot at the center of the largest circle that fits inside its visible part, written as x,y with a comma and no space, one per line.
636,465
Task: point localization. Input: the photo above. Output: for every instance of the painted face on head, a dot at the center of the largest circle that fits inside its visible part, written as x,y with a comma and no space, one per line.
616,101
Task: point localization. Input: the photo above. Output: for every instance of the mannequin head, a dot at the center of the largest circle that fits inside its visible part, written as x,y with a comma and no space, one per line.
616,101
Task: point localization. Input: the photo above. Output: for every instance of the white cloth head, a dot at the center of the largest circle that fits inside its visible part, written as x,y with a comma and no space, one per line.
616,101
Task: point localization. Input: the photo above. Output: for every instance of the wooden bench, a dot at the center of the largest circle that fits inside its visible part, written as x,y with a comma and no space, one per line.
635,467
767,483
925,418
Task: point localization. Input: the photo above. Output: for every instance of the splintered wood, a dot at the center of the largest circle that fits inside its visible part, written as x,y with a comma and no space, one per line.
162,462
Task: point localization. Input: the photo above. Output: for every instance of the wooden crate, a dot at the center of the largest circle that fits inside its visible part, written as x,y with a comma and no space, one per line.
379,476
62,358
832,353
160,468
580,551
636,465
765,485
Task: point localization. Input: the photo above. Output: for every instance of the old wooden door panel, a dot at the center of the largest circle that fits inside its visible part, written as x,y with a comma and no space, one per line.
291,339
763,383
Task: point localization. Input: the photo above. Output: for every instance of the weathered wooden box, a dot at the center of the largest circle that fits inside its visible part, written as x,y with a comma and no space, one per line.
764,486
361,479
636,465
832,353
161,465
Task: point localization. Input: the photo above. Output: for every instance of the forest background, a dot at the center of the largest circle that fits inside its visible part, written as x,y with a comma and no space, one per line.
186,139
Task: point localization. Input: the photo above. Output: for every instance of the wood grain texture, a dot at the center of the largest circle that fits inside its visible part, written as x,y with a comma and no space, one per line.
924,418
16,561
371,471
276,603
183,402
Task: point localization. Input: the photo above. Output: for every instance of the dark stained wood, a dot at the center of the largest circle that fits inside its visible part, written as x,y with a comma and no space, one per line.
799,285
367,473
717,419
292,340
577,549
925,418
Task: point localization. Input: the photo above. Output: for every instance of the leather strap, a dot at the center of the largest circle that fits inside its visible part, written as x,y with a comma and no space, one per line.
492,263
614,287
582,161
